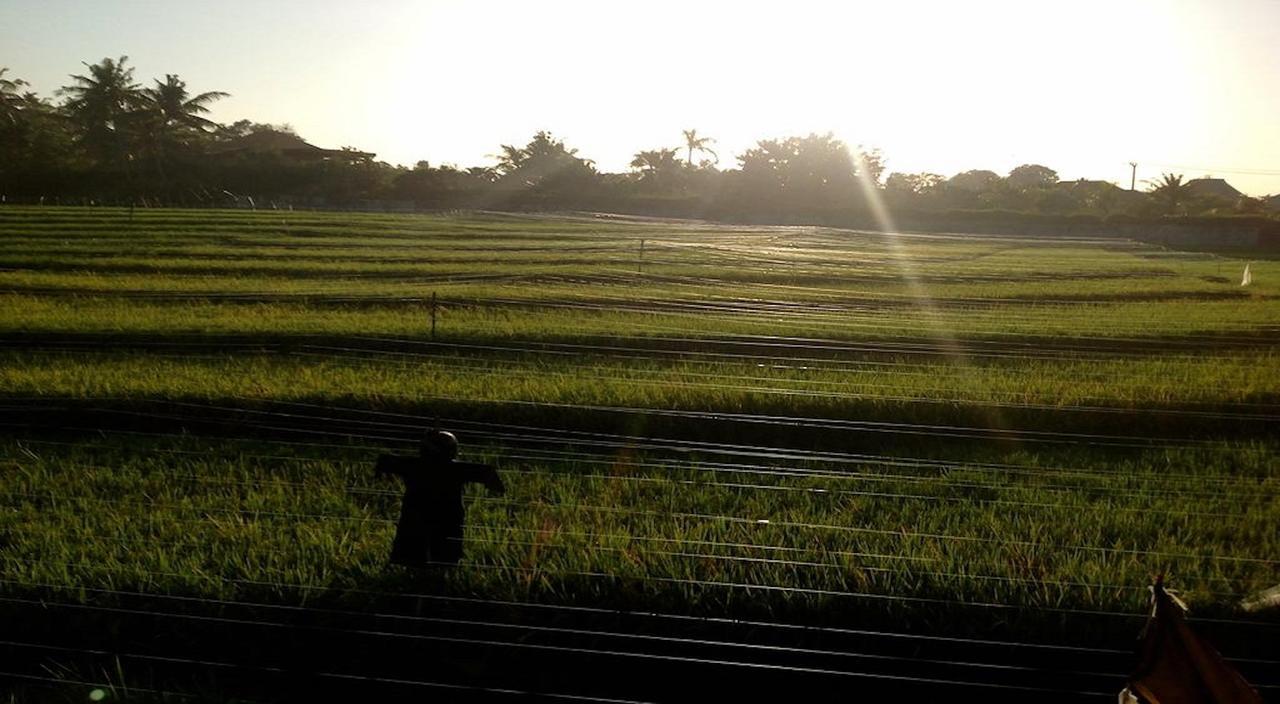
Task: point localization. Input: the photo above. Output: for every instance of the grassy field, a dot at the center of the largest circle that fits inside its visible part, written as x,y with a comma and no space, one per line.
965,434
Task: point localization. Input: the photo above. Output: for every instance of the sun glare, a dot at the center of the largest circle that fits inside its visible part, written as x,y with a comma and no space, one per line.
940,87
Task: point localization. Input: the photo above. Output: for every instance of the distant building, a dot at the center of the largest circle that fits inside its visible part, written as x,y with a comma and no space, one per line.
1209,187
287,145
1093,184
1103,194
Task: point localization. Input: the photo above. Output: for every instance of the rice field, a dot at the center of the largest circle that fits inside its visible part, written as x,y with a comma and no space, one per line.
933,434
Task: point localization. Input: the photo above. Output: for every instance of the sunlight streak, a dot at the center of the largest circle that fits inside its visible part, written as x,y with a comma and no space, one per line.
919,293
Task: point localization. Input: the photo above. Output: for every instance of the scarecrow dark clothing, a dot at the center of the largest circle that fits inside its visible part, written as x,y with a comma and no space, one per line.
431,514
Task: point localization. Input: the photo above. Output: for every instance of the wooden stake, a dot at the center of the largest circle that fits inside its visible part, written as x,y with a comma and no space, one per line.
433,315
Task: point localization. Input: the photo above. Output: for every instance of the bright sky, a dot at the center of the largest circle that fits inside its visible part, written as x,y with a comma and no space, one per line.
1086,86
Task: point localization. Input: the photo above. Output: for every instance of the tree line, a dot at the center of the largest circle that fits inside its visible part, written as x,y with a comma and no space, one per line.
106,138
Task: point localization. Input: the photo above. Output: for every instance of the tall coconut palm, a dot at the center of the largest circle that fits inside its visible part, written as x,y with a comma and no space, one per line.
101,105
175,107
694,143
172,117
1171,192
10,97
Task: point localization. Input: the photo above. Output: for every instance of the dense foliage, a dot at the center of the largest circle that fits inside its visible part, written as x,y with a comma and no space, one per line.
108,138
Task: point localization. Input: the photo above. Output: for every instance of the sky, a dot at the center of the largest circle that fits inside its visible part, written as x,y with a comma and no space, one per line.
1084,87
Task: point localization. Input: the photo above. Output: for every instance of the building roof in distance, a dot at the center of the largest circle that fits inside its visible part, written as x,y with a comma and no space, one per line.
280,142
1213,188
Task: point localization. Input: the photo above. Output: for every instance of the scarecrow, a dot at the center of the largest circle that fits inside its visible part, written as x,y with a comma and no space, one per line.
431,514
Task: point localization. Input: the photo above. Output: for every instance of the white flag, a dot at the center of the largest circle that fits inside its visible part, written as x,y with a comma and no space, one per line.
1247,278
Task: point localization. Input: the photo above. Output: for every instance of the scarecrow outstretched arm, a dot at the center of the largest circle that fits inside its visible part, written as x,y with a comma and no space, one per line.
394,464
482,474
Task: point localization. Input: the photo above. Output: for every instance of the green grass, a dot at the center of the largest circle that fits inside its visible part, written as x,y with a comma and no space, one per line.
186,515
1104,337
835,391
514,318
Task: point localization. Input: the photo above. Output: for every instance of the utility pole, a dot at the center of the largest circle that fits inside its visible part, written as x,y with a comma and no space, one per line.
1133,177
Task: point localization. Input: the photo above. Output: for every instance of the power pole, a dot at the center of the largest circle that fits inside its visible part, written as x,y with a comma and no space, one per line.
1133,177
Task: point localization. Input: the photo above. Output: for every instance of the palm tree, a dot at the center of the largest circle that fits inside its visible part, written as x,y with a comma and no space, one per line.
487,174
660,169
175,107
10,97
101,104
655,162
170,116
1171,192
694,143
544,160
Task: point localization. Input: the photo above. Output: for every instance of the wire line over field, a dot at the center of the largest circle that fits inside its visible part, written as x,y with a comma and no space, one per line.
763,457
